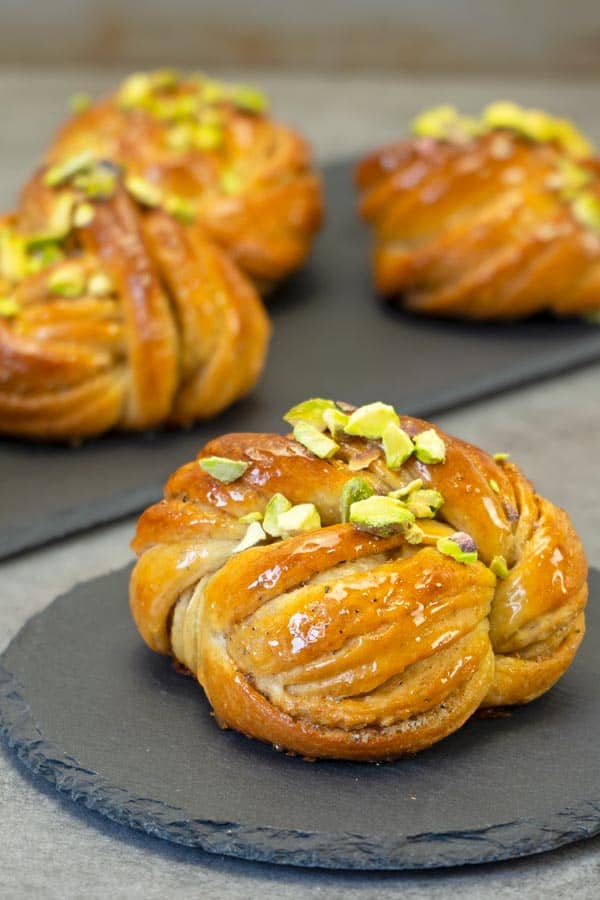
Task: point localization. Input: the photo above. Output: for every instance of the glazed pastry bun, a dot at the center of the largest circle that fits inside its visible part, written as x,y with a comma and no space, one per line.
245,178
358,589
489,218
115,314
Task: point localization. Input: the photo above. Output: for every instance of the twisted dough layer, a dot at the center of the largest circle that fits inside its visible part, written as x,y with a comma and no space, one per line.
479,228
341,643
248,178
139,320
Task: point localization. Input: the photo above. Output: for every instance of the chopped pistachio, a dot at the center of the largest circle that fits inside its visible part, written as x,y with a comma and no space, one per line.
59,221
222,468
79,101
67,281
303,517
83,215
571,178
135,90
179,108
13,256
370,421
536,125
402,492
99,181
429,447
586,210
212,91
424,503
208,136
254,535
44,254
571,139
164,78
397,445
277,504
315,441
181,136
8,307
180,208
336,421
460,546
414,535
231,182
143,190
381,515
65,170
249,99
499,567
354,490
309,411
251,517
100,285
444,123
501,457
494,485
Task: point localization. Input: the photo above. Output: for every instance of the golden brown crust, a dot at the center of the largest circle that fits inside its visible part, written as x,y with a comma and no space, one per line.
342,643
477,229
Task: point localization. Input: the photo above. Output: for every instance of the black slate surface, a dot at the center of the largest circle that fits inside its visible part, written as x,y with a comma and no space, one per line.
332,337
88,707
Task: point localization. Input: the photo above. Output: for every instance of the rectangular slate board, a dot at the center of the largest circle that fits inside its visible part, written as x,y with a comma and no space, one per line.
332,337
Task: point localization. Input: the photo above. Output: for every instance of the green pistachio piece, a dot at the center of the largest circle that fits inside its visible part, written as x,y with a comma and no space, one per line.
354,490
254,535
143,191
79,101
208,136
222,468
336,421
397,445
59,222
67,281
536,125
310,411
83,215
303,517
231,183
180,208
499,567
494,485
424,504
460,546
370,421
414,535
44,254
501,457
8,307
100,285
212,91
404,491
164,78
571,139
429,447
180,108
65,170
381,515
181,136
572,178
98,182
586,210
314,440
13,256
277,504
444,123
135,90
249,99
251,517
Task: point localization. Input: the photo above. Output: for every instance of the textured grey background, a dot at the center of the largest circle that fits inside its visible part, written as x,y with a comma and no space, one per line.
51,848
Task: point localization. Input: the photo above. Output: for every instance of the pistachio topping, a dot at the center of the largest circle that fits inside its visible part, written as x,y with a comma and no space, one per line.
181,208
65,170
336,421
494,485
311,411
100,285
251,517
222,468
354,490
143,191
98,181
498,567
314,440
254,535
444,123
501,457
231,183
83,215
67,281
370,421
402,492
397,445
424,503
8,307
13,256
381,515
303,517
429,447
460,546
414,535
249,99
277,504
586,210
79,101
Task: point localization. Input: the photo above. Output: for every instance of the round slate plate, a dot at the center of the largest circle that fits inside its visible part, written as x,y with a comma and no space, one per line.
89,708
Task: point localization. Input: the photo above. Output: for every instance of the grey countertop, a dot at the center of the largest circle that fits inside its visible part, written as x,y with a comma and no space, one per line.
53,849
